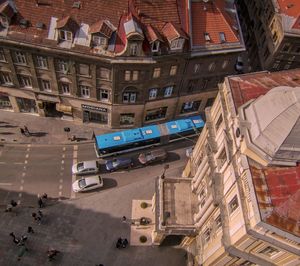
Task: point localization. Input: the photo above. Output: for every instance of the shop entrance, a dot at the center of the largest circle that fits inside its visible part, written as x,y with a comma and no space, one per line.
50,109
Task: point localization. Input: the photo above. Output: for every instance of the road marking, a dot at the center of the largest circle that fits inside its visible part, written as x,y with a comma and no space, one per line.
63,156
21,188
19,202
27,155
20,195
64,148
62,161
61,180
22,181
62,168
26,162
28,149
5,184
2,162
17,163
23,174
75,154
60,193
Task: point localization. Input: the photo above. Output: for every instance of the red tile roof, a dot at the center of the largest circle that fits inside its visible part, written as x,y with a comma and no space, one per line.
171,32
6,9
278,195
212,18
250,86
152,34
290,7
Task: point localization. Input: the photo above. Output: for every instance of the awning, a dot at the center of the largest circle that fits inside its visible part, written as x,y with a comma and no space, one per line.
48,98
64,108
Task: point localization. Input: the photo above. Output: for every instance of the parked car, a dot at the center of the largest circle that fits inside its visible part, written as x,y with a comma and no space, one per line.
87,183
85,167
118,163
152,156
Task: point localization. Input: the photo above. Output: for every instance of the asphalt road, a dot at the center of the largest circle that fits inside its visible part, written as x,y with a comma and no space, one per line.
34,170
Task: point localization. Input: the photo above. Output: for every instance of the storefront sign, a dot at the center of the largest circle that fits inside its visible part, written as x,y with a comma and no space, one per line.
94,108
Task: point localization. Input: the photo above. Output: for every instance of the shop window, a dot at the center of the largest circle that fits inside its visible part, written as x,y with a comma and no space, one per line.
46,85
156,72
135,75
83,69
20,58
173,70
62,66
157,113
65,87
5,102
5,78
103,95
133,49
126,119
65,35
168,91
25,81
190,107
2,56
233,204
104,73
26,105
41,62
95,117
269,251
153,93
85,91
129,97
207,235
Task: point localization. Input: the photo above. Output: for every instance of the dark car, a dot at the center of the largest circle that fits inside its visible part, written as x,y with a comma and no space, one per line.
118,163
152,156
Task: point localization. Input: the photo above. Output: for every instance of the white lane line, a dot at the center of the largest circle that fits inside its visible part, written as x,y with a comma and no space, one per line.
28,149
26,162
2,162
63,156
21,188
60,187
22,181
18,163
5,184
75,154
62,161
26,156
19,202
29,145
60,193
64,148
20,195
61,180
23,174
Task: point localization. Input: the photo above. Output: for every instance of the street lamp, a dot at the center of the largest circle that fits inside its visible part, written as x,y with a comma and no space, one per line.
166,166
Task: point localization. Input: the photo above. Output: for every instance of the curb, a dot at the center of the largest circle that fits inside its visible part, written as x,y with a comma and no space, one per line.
47,144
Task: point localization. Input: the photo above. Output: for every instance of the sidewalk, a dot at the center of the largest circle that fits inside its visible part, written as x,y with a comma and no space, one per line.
45,130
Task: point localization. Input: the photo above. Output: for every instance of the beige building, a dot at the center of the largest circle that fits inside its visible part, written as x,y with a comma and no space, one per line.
272,33
120,64
239,198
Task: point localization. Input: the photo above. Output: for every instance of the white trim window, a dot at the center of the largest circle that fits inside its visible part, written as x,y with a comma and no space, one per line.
153,93
206,235
156,72
127,75
5,78
20,58
129,97
168,91
103,95
65,35
85,91
133,49
155,46
269,251
46,85
173,70
25,81
233,204
135,75
65,87
62,66
2,55
196,68
42,62
99,41
177,44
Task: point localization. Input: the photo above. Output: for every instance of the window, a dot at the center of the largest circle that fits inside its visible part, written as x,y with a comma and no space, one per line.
5,78
269,251
99,41
222,37
20,58
155,46
202,197
65,87
206,235
212,66
104,73
190,107
233,204
62,66
156,72
222,159
196,68
225,64
41,62
276,64
206,36
2,56
135,75
218,221
85,91
103,93
286,47
127,75
219,122
129,97
168,91
154,114
84,69
297,50
133,49
25,81
209,102
173,70
46,85
247,263
127,119
177,44
65,35
204,84
153,93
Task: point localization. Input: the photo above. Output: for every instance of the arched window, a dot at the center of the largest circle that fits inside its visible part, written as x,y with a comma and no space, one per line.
129,95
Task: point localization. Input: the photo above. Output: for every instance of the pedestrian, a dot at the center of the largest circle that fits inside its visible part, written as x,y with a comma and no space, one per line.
124,219
8,208
119,242
40,202
93,136
30,230
15,240
40,213
13,203
36,218
26,129
45,196
22,131
124,243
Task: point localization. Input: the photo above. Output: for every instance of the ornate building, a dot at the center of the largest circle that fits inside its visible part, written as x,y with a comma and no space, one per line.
115,63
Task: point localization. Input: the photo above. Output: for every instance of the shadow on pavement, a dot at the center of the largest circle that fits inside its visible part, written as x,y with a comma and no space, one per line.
8,126
38,134
108,183
6,133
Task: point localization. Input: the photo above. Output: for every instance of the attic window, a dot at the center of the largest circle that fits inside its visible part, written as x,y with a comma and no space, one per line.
155,46
24,23
65,35
76,4
40,25
99,41
222,37
207,37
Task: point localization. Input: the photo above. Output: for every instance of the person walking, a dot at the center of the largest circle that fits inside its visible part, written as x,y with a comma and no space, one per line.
30,230
124,243
124,219
15,240
40,202
40,213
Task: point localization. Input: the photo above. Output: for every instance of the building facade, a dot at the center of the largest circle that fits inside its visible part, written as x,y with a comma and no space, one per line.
239,194
272,33
118,65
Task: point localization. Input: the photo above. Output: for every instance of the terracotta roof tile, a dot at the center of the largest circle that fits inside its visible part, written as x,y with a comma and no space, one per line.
290,7
152,34
6,9
212,18
171,32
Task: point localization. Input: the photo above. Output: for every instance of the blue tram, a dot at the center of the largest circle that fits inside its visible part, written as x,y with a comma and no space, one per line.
152,135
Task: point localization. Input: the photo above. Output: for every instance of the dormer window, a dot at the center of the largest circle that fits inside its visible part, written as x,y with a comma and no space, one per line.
133,49
177,44
207,37
222,37
99,41
65,35
155,46
4,21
